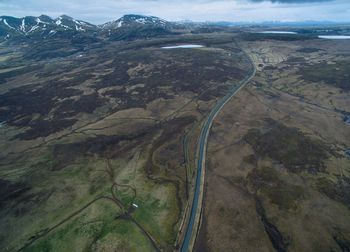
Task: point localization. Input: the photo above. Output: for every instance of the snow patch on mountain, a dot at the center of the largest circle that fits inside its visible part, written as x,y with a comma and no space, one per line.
78,28
23,26
39,21
5,22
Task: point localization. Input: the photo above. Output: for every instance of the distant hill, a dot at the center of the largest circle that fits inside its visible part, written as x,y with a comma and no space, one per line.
41,27
128,27
135,20
131,27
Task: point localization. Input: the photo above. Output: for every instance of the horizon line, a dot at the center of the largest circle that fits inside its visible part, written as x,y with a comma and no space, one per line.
191,21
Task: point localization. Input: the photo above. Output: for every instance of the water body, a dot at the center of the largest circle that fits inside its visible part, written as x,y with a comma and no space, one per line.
346,119
334,37
347,153
182,46
278,32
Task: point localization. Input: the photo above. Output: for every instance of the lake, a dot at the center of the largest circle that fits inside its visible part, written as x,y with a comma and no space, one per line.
182,46
278,32
334,37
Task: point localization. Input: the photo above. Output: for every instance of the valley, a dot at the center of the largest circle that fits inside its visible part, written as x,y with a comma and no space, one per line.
89,134
147,135
277,173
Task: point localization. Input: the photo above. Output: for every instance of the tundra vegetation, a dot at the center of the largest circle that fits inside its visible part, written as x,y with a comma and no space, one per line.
278,170
92,138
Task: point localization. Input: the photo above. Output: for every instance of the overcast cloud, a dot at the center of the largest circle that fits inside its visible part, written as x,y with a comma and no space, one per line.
292,1
100,11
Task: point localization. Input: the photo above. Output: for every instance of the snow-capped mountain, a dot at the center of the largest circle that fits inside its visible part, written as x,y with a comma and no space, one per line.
131,27
42,25
135,20
128,27
70,23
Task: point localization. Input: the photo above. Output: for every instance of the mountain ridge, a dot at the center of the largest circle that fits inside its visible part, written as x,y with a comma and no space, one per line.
44,26
134,19
127,27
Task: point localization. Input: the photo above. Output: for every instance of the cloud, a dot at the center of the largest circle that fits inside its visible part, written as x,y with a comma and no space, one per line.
292,1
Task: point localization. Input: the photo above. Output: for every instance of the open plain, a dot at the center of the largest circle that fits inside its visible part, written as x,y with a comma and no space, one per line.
278,176
92,153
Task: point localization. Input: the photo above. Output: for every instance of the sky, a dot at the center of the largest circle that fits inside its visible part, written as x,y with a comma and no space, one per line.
101,11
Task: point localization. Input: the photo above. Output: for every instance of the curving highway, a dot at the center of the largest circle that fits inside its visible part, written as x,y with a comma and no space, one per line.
193,223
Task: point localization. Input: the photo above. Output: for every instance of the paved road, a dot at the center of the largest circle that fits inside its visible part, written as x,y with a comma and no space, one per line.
198,190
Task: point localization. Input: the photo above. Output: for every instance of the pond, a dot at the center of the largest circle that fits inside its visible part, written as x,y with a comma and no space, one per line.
182,46
346,119
347,153
278,32
334,37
